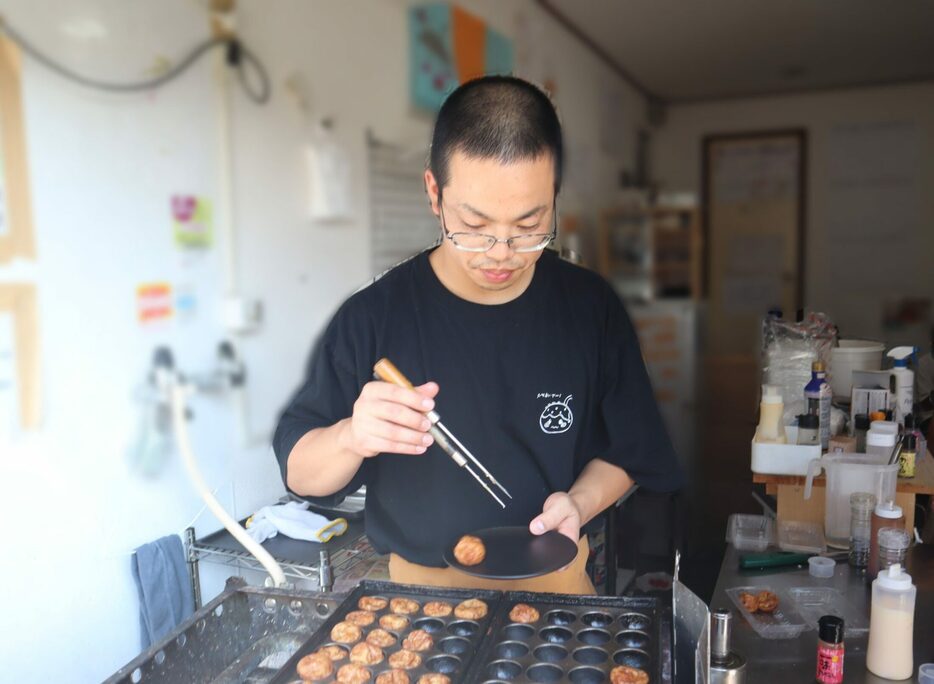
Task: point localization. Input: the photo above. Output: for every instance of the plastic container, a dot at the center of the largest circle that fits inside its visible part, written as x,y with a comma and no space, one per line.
817,395
808,429
802,537
886,514
861,506
750,532
852,355
860,429
880,444
848,473
784,623
891,625
893,545
813,602
771,409
821,567
783,459
926,674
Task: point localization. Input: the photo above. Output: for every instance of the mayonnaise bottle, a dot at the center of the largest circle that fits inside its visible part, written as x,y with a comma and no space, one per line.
891,624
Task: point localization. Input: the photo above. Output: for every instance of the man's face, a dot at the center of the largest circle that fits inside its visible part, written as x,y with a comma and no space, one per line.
503,200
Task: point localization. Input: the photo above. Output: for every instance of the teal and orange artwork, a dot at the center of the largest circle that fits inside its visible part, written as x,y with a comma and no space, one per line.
448,46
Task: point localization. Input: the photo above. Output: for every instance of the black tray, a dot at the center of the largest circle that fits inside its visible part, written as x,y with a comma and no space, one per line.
456,641
571,643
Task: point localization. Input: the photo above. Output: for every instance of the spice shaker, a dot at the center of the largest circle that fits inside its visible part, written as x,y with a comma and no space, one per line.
830,650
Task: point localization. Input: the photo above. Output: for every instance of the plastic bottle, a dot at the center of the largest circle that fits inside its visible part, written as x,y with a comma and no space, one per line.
891,624
860,428
771,426
817,395
906,467
904,381
808,429
886,514
861,507
910,429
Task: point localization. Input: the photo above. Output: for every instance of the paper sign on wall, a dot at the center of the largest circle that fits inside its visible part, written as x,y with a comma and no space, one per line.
153,302
191,217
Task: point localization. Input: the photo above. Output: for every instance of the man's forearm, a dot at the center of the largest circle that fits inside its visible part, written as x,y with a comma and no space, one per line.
598,487
320,463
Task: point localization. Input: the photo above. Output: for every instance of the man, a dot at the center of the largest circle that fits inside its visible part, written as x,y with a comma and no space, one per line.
532,362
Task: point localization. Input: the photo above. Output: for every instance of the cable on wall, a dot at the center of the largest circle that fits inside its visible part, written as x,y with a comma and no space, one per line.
238,57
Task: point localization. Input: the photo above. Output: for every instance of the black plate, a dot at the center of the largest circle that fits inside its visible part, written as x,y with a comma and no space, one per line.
516,553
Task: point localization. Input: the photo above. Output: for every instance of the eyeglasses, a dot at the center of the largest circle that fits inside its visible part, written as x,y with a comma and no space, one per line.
478,242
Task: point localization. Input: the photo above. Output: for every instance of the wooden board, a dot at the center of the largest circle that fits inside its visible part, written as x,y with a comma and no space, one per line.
16,233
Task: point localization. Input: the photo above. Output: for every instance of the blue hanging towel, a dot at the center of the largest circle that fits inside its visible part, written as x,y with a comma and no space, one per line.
165,598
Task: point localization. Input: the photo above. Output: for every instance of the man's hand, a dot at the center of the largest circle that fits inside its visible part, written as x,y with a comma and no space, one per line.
560,513
390,419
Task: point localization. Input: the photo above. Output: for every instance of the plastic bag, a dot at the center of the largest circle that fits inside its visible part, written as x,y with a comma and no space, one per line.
788,350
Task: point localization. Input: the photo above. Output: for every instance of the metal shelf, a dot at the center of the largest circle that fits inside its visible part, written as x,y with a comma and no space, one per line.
300,560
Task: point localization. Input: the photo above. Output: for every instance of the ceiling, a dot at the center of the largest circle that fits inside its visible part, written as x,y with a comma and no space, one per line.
688,50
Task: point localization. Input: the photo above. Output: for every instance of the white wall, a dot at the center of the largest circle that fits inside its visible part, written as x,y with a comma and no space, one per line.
852,293
102,170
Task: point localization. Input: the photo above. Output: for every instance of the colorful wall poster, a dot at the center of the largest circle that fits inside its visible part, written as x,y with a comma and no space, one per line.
448,46
191,219
153,302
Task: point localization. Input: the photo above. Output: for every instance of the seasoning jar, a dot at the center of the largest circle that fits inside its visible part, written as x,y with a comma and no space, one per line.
860,428
906,460
891,624
808,429
861,507
886,514
893,545
830,650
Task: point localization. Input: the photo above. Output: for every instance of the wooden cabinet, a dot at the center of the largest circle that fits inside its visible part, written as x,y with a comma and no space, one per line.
651,252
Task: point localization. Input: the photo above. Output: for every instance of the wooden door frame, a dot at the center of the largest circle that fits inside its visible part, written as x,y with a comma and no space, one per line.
706,143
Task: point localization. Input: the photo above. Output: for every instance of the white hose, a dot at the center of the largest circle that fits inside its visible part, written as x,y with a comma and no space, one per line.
179,392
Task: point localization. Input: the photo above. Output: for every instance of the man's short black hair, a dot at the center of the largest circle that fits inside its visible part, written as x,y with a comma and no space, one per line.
496,117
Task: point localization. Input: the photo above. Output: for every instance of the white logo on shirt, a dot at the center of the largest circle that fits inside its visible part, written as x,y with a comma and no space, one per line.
557,416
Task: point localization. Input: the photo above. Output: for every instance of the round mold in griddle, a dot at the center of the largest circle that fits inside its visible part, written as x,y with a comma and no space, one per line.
443,664
632,639
511,649
560,617
593,637
589,655
550,653
634,621
587,675
544,672
463,628
556,635
633,657
518,631
454,645
597,619
429,624
503,669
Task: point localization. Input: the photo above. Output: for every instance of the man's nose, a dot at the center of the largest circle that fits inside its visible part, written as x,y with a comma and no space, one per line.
501,250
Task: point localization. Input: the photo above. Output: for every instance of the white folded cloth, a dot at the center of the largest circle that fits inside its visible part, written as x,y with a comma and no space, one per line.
294,520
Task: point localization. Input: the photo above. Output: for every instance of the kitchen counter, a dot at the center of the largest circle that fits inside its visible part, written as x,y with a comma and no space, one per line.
794,660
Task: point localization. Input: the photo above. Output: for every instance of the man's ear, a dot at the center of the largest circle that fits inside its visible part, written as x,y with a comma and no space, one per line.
433,192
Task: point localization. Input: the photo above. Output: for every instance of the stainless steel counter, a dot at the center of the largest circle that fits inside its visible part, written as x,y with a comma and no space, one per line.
790,661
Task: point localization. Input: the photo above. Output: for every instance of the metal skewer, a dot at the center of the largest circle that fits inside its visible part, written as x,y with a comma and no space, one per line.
386,371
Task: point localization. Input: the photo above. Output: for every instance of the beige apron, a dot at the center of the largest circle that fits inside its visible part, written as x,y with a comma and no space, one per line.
571,580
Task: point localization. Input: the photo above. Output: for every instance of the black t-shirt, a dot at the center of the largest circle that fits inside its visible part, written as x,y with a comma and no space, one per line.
535,388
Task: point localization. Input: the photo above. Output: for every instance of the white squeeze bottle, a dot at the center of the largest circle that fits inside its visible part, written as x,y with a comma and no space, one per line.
771,425
904,382
891,624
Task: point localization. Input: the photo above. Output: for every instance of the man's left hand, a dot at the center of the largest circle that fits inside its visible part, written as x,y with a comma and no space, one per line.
559,513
